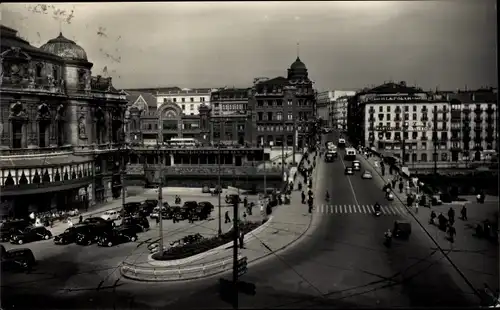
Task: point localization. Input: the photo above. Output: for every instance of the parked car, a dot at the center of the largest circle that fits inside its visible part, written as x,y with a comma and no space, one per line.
349,171
206,204
30,234
117,236
164,212
16,259
111,215
96,221
206,189
216,191
367,175
7,228
232,197
147,207
131,208
87,237
70,234
138,223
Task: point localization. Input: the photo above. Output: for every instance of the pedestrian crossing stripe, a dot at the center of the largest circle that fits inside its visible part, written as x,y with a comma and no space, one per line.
360,209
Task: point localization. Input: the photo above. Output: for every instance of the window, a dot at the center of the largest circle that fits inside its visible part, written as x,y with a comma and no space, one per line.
260,116
388,116
414,116
414,108
279,116
60,133
260,103
164,100
424,145
388,135
290,116
270,116
444,156
202,99
380,116
55,73
289,101
191,106
407,117
39,69
407,108
17,134
414,135
279,103
191,99
423,157
405,135
183,106
43,133
175,100
150,127
381,109
183,99
388,109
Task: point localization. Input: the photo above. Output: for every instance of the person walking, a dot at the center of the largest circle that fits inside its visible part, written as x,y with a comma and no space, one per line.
80,219
463,212
401,186
451,232
227,219
241,240
451,216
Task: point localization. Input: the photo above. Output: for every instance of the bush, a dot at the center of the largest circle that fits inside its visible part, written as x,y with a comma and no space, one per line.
203,245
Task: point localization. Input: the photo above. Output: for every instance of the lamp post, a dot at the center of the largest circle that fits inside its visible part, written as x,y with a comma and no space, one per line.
159,143
405,130
435,140
219,190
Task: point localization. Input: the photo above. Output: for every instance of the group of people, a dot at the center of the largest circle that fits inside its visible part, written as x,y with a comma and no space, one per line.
447,224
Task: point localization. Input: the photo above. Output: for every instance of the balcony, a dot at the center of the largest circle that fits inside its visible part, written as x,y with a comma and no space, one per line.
490,129
371,119
490,110
371,110
466,129
478,140
444,139
424,138
478,128
489,138
443,128
456,114
97,148
397,119
478,119
424,119
489,119
466,109
466,118
454,138
37,151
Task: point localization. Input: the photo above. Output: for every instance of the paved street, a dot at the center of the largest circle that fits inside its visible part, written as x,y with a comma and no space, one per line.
69,270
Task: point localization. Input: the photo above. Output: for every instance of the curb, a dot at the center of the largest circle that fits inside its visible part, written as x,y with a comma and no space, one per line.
183,261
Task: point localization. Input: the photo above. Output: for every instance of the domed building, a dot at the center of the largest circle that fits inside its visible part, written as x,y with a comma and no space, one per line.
59,127
284,108
65,48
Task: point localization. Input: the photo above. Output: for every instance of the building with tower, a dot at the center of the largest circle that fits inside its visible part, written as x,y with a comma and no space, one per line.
283,109
61,128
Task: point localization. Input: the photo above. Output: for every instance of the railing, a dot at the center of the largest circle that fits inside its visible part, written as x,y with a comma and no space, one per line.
452,165
37,151
214,170
105,147
152,274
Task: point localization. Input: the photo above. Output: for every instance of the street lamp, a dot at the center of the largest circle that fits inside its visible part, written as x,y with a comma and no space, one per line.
219,189
405,130
159,143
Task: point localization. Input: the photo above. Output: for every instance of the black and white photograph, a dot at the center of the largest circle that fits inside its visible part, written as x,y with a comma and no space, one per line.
249,155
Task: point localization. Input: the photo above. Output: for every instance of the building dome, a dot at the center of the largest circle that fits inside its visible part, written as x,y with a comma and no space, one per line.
298,65
64,48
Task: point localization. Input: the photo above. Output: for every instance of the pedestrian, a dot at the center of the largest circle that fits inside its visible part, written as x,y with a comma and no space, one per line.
70,223
401,186
244,216
158,220
451,215
303,196
227,219
80,219
463,212
451,232
245,203
241,240
393,182
310,202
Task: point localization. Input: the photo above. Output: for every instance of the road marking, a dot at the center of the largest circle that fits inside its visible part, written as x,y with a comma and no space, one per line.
370,209
336,210
391,210
345,208
350,210
364,209
382,209
350,184
331,209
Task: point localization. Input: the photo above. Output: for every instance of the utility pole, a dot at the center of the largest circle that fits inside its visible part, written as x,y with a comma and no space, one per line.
435,140
405,130
236,225
265,173
123,166
283,151
159,143
219,189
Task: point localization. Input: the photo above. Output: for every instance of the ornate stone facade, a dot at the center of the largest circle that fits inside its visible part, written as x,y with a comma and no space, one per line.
56,120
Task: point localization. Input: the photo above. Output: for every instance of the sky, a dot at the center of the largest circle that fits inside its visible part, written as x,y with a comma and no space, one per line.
345,45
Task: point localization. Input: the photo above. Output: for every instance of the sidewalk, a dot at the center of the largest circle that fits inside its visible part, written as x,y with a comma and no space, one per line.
476,258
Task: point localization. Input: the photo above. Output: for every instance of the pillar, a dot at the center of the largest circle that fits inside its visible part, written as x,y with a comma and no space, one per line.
172,161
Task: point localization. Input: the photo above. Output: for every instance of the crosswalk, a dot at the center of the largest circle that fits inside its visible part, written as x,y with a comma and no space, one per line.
360,209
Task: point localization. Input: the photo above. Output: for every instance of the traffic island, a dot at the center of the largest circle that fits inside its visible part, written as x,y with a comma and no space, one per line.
189,262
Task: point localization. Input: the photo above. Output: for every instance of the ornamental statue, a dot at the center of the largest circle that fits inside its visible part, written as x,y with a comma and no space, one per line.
82,128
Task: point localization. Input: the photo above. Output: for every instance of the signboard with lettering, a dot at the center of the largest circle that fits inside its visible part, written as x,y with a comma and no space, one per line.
414,126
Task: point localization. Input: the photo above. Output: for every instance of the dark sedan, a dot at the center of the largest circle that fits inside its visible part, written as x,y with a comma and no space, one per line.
117,236
70,234
30,234
90,236
138,224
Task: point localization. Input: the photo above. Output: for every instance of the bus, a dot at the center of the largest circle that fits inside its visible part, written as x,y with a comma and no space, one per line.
191,142
350,153
341,142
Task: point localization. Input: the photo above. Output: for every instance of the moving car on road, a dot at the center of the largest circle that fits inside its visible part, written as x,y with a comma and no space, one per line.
402,229
70,234
7,228
16,259
232,197
117,236
131,208
350,153
330,156
356,165
206,204
30,234
367,175
97,221
147,207
341,142
165,210
348,171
